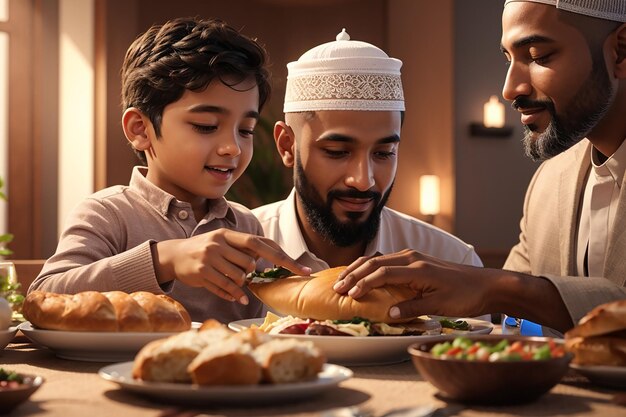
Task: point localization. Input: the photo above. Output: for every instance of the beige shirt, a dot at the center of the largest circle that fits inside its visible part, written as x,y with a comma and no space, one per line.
106,246
397,232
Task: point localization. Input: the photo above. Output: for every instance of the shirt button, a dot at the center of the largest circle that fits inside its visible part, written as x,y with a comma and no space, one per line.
183,215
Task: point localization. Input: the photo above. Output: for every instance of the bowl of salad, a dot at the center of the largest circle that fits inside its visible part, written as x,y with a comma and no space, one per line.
491,369
15,388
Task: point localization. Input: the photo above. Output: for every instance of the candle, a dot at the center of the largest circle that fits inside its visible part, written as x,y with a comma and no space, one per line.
429,195
493,113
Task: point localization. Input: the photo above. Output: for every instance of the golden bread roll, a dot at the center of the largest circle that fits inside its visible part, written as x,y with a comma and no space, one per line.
165,313
131,317
608,351
166,360
604,319
313,297
112,311
289,360
85,311
227,363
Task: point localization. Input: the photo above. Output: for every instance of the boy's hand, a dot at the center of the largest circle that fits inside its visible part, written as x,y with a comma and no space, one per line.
219,261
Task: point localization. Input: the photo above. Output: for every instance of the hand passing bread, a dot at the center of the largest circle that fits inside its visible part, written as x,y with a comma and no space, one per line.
214,355
112,311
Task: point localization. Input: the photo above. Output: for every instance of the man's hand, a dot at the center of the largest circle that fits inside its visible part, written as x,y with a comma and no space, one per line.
219,261
449,289
444,288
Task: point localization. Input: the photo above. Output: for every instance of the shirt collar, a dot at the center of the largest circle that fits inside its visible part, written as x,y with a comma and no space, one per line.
293,241
614,166
163,201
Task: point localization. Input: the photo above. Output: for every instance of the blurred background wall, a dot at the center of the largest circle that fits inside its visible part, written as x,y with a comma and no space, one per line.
452,64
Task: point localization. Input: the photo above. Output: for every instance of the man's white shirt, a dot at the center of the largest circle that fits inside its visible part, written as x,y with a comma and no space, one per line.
397,231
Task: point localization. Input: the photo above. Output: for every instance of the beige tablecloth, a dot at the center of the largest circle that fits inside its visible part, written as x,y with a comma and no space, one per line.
74,388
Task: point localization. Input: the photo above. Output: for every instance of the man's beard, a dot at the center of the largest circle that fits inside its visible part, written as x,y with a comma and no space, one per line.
566,129
321,218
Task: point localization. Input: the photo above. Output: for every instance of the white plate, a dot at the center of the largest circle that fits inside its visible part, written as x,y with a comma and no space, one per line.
612,376
6,336
362,350
92,346
242,395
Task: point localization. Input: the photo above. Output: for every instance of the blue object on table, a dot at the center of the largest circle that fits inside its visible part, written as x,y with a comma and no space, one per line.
529,328
526,327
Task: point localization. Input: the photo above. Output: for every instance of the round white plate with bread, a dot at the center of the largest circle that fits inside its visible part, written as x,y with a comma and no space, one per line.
6,336
191,394
92,346
366,350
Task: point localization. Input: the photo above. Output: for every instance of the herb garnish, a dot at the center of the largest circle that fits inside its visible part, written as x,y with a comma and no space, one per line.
456,324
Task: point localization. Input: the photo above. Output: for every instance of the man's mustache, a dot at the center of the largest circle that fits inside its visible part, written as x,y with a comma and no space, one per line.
354,194
527,103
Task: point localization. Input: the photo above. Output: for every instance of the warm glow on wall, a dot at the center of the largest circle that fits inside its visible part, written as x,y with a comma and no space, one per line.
493,113
429,195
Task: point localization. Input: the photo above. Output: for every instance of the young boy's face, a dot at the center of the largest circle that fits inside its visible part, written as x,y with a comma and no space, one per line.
206,141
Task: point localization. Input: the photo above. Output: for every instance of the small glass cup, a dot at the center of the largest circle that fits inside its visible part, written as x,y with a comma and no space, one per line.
8,278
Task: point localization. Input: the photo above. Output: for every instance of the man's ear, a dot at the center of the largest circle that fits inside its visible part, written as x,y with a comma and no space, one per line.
620,52
135,125
285,142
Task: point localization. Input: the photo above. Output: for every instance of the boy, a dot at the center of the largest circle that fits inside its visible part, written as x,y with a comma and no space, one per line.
192,91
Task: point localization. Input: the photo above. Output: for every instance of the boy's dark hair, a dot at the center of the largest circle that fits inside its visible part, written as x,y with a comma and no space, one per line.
187,54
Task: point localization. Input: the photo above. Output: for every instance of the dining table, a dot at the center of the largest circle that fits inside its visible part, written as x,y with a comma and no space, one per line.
74,388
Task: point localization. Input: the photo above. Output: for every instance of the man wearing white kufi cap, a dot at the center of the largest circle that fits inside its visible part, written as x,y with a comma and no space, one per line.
343,109
567,78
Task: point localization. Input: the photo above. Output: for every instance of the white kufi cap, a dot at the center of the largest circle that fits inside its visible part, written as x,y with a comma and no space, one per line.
614,10
344,75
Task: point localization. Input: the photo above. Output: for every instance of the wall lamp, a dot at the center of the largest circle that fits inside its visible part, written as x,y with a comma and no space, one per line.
429,196
493,121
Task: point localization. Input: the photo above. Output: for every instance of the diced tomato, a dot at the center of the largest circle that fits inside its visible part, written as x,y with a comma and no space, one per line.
453,351
473,349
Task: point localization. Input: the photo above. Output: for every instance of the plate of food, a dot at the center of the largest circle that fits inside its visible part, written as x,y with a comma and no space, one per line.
188,393
355,350
598,343
101,326
216,365
349,331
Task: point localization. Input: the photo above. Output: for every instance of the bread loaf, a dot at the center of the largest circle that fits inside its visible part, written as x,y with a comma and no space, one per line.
218,356
606,351
289,360
313,297
165,313
105,312
131,317
604,319
600,336
229,362
85,311
166,360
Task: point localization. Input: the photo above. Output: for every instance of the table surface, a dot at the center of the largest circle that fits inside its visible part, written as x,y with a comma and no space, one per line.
74,388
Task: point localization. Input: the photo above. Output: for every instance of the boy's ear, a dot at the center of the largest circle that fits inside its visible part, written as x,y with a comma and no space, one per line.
135,125
285,142
620,52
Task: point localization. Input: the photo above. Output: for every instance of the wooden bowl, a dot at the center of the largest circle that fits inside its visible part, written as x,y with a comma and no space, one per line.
11,397
482,382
